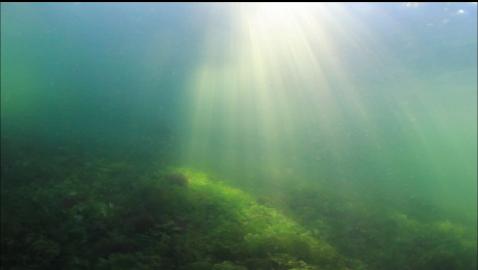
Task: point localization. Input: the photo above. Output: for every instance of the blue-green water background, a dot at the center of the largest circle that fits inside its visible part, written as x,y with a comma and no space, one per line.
117,74
117,77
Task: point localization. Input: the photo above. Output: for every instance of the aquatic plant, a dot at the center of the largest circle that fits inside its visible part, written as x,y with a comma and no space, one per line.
178,218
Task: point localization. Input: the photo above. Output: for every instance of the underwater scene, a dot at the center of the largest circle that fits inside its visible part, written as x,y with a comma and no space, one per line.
239,136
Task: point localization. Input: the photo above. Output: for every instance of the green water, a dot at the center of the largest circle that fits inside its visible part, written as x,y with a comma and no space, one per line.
239,136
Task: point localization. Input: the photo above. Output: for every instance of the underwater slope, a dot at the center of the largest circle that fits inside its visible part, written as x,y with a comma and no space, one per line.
101,214
67,208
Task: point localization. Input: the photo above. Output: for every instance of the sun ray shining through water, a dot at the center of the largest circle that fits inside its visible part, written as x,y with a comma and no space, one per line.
284,91
269,67
273,80
190,136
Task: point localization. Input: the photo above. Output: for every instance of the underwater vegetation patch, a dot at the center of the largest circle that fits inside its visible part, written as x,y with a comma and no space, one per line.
102,214
167,219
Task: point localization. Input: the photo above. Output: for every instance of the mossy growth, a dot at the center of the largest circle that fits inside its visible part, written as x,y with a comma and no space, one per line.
167,219
246,229
106,214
